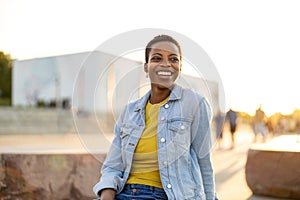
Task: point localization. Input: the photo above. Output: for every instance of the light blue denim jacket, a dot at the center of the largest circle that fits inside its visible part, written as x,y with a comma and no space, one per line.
184,144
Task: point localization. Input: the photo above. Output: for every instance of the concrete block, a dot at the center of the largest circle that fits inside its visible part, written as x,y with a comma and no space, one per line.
274,173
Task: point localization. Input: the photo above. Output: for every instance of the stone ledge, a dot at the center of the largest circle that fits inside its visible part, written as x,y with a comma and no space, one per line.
49,176
26,121
274,173
35,120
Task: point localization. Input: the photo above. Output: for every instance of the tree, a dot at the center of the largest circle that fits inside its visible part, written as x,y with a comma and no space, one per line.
5,77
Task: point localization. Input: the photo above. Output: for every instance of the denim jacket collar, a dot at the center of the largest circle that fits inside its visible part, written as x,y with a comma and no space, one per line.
176,94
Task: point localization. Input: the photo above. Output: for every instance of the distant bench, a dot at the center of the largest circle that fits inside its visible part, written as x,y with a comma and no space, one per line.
29,120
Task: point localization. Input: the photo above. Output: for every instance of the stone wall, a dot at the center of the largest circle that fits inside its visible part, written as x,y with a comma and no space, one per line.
48,176
60,168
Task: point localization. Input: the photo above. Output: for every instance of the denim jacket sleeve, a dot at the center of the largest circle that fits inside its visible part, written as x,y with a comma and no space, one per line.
202,144
112,169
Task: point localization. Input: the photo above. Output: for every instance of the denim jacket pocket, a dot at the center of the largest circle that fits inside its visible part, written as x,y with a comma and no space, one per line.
180,132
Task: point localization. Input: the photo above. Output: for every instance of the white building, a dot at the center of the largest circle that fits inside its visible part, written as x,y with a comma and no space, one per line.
91,81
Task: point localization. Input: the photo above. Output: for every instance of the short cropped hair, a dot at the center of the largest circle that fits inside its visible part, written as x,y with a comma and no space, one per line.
161,38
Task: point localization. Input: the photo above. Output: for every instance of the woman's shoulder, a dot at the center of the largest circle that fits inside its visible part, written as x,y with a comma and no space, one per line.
195,99
191,94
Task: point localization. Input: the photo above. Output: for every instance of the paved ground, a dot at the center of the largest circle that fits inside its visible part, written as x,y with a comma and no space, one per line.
228,163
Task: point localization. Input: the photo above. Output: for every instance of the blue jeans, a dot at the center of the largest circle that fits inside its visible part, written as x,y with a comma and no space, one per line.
141,192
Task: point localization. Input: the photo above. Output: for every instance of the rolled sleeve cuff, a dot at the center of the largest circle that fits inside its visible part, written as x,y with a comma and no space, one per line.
104,183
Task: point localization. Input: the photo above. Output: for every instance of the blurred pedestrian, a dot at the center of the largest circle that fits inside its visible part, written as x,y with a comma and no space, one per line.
259,124
231,117
219,122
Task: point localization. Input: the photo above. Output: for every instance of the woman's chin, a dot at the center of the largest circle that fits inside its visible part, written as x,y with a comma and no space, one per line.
164,85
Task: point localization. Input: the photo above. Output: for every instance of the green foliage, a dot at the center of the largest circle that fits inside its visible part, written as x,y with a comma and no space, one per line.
5,102
5,78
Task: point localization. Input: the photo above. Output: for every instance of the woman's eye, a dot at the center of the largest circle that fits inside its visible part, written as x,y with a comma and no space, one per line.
174,59
155,59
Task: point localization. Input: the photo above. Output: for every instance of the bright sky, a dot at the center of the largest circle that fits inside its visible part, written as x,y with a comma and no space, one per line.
255,44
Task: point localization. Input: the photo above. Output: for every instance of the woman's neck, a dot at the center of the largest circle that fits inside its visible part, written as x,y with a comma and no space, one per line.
158,94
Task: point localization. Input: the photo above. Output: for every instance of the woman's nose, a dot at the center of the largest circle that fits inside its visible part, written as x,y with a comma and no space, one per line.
165,63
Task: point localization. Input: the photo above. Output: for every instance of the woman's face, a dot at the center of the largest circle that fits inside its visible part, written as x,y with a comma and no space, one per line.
164,64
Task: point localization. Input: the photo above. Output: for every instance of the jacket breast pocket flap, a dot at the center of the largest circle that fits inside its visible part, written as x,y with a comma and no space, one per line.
180,132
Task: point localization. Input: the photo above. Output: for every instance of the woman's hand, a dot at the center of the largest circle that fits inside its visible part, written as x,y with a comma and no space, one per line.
108,194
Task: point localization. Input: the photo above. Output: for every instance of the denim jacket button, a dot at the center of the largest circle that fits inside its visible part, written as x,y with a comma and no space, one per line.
162,118
182,127
169,186
167,106
162,140
165,163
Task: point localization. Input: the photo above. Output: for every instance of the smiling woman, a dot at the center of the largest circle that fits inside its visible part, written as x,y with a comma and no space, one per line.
162,140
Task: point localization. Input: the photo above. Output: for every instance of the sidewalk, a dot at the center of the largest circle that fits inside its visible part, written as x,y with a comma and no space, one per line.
229,165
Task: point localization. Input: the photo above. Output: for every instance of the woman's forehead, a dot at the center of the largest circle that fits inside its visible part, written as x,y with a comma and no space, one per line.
165,46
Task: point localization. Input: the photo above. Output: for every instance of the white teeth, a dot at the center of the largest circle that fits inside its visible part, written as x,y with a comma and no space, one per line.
163,73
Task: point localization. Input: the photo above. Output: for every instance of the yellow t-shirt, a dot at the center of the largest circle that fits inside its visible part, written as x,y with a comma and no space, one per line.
145,161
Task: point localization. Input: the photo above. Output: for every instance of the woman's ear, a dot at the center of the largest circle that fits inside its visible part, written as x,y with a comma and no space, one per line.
146,67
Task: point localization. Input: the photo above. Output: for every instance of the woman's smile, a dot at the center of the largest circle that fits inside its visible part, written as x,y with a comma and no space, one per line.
164,73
